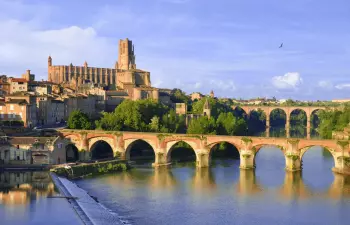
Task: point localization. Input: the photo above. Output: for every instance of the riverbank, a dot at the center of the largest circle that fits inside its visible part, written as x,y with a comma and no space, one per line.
88,209
90,169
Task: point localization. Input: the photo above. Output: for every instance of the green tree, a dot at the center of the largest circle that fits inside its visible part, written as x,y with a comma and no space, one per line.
154,125
79,120
228,124
202,125
172,123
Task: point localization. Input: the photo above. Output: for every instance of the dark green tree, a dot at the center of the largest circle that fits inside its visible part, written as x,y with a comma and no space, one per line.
79,120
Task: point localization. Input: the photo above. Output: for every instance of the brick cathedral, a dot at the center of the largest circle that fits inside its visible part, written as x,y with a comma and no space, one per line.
124,76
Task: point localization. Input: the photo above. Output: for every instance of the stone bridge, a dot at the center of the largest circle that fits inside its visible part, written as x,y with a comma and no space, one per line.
162,144
309,110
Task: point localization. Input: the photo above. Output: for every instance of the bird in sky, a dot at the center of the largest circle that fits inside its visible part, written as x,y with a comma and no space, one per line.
281,45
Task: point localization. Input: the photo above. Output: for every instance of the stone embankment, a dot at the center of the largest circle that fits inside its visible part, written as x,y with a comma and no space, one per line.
90,169
88,209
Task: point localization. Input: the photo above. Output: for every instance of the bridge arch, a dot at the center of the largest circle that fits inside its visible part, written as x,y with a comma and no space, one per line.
257,149
92,141
305,149
72,153
189,147
139,144
101,149
224,150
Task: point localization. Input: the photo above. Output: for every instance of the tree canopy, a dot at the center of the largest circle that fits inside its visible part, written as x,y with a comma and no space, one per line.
79,120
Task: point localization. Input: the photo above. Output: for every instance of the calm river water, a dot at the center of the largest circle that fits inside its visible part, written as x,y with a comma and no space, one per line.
223,194
25,198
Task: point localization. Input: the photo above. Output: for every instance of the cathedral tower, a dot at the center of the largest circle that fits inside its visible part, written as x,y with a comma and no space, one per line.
126,56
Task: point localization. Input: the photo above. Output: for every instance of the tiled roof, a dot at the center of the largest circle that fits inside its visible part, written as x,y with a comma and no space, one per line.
17,101
29,140
19,80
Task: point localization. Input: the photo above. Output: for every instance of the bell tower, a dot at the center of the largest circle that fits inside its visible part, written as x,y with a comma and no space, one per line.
126,55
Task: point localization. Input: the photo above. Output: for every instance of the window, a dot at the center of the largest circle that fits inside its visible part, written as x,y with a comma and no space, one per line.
22,108
11,107
17,146
0,107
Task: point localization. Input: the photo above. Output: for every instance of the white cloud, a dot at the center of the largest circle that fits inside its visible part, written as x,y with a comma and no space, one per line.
24,46
290,80
342,86
325,84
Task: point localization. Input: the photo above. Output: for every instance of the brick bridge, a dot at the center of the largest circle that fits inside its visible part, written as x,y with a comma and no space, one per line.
122,142
309,110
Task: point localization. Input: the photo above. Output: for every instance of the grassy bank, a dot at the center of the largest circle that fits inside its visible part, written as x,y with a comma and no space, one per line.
91,169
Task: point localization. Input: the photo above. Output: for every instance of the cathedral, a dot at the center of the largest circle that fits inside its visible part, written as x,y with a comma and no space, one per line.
123,77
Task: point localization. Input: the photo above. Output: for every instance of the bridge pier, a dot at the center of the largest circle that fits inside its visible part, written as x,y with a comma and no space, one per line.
202,159
247,160
268,126
161,159
84,155
293,162
342,165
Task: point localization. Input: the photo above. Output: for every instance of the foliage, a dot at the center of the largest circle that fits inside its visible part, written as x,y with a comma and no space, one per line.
202,125
172,123
217,107
333,120
133,116
91,169
228,124
179,96
79,120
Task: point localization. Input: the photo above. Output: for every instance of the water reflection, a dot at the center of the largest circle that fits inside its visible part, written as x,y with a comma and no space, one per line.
19,188
203,181
248,184
293,187
24,200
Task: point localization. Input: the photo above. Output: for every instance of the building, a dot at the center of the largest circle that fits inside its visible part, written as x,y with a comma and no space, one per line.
18,85
196,95
50,111
341,100
17,110
212,94
84,103
124,76
181,108
26,150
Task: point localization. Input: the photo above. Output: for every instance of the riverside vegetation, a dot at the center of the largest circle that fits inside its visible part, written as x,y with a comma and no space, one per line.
151,116
91,169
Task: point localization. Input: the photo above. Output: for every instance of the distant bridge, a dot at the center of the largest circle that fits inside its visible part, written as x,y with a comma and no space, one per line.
121,144
309,110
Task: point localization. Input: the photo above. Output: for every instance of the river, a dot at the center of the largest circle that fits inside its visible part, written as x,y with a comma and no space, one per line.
224,194
26,198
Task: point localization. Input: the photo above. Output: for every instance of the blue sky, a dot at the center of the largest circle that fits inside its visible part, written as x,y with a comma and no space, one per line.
229,46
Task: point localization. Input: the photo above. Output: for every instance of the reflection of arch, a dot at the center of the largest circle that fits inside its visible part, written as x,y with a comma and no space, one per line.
101,150
72,153
174,143
137,142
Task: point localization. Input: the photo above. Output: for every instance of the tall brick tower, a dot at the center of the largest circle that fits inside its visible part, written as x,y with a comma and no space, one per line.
126,56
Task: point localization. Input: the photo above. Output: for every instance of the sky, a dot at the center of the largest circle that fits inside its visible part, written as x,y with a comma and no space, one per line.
228,46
